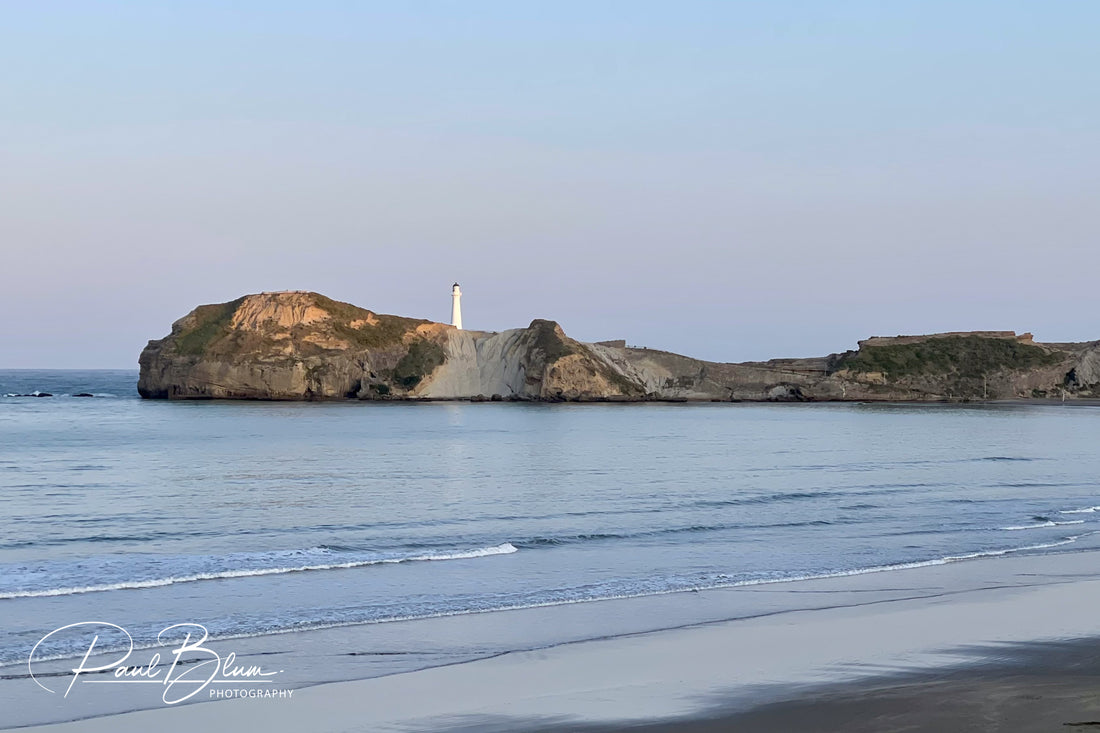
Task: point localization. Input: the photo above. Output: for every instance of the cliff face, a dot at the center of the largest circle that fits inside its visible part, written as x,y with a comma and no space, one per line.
304,346
537,362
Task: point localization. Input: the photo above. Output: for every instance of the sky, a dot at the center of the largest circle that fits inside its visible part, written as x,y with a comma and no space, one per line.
730,180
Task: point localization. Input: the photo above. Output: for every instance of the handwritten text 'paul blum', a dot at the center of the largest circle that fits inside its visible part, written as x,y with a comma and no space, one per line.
181,680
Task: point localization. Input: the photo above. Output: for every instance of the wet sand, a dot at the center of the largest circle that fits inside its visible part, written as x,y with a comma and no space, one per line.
1037,689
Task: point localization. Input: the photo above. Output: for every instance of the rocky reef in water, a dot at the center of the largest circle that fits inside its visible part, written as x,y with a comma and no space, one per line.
303,346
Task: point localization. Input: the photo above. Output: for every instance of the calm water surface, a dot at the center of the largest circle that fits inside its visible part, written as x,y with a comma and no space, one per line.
258,517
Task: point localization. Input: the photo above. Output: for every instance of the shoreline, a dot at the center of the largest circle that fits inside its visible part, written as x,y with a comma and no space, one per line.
613,400
791,644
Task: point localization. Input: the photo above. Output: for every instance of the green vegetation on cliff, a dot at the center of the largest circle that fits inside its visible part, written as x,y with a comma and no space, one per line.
385,331
968,357
211,322
209,329
549,341
423,357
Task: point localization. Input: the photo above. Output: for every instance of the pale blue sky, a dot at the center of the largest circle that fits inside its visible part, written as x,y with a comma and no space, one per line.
731,180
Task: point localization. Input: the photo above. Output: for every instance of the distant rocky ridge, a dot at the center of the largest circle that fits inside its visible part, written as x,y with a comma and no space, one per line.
300,345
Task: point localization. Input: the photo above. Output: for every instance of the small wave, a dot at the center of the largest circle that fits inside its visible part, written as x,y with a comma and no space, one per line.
600,536
997,553
130,539
717,582
767,499
504,549
1041,525
568,539
1086,510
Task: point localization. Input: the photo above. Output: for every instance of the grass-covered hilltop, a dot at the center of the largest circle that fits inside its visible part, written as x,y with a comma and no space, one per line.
303,346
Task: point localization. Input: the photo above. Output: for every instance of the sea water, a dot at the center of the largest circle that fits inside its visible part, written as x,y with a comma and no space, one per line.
253,518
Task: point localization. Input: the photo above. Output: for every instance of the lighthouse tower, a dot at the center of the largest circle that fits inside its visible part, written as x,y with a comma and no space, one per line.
456,307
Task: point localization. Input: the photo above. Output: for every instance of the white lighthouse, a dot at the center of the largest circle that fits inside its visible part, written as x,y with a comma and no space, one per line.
456,307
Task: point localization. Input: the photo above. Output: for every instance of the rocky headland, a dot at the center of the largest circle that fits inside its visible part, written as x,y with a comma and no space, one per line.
300,345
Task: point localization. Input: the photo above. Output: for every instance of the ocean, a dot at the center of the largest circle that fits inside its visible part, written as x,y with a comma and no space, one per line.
256,518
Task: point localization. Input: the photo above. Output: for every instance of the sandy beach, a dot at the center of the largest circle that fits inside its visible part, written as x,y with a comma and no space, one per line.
1001,643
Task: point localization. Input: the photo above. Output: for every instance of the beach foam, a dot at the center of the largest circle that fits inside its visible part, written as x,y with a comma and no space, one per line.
1041,525
502,549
